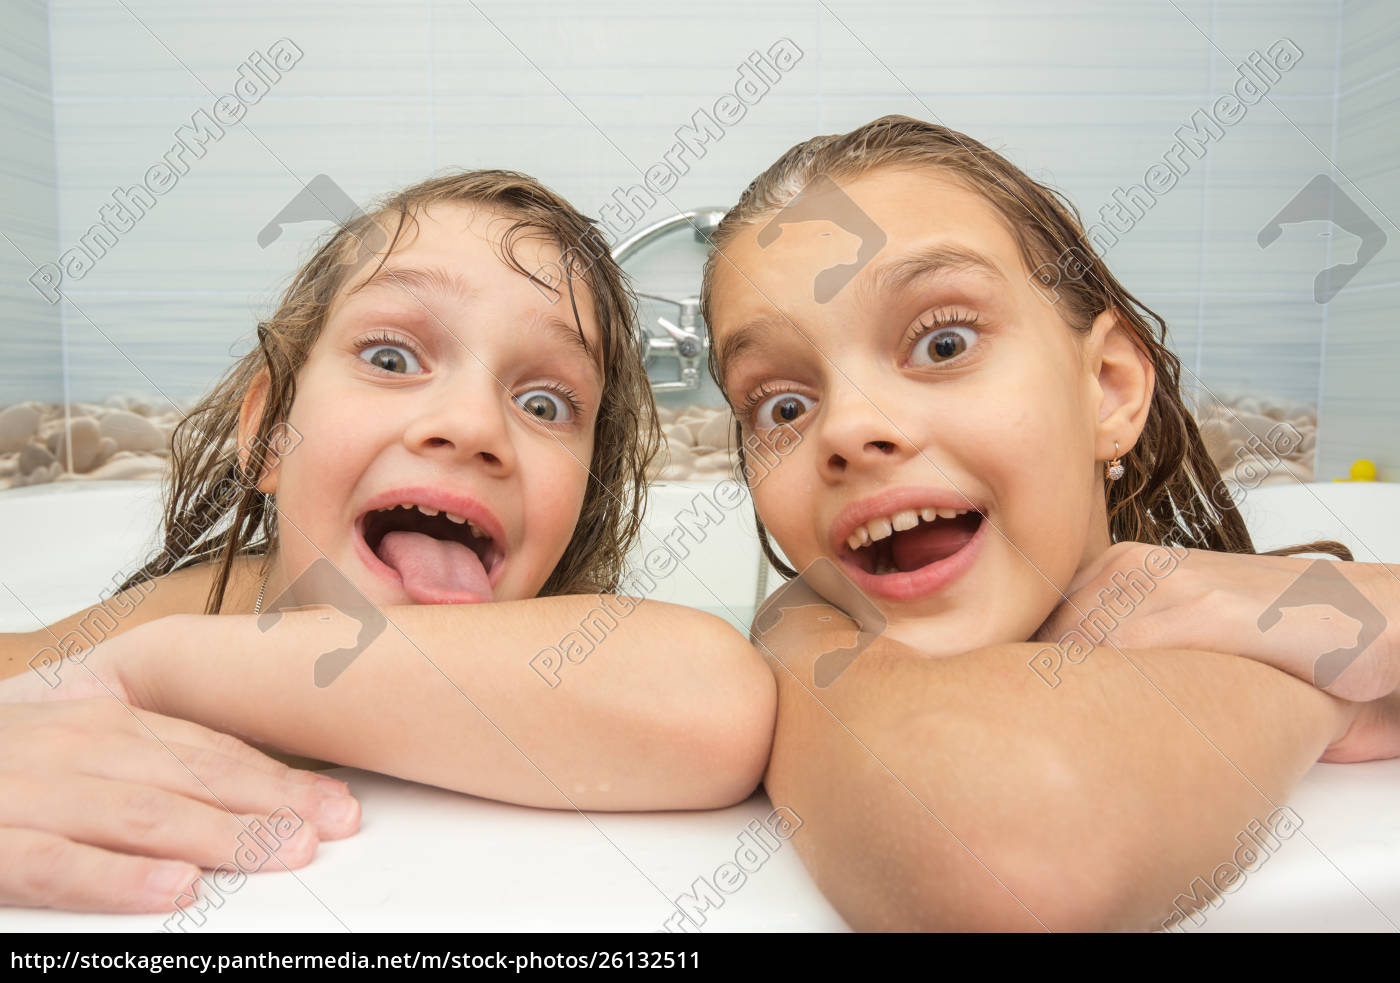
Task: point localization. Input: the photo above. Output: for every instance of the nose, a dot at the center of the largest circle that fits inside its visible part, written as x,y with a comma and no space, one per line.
855,434
464,421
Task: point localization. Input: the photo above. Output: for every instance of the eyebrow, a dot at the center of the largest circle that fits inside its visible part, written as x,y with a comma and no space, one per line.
571,337
892,275
896,274
437,279
749,335
433,278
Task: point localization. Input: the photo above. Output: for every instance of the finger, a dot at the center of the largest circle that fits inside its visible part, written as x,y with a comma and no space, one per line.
43,870
101,715
196,773
151,822
195,735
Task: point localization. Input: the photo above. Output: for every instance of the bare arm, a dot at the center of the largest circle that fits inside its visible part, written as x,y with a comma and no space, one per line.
672,709
175,593
962,793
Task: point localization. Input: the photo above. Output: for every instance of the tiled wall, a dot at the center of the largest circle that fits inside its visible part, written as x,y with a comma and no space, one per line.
1360,410
1085,95
32,366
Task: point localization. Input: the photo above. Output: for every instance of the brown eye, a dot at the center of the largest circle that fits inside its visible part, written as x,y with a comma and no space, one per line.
943,345
544,405
781,409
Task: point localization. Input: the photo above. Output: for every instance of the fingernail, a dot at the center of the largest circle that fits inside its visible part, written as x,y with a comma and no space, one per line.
169,880
337,810
331,786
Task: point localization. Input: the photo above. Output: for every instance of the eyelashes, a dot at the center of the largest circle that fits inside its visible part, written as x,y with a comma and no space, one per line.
938,320
936,338
756,402
387,340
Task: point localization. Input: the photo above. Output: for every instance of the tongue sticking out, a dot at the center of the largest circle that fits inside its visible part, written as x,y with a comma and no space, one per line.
929,542
435,571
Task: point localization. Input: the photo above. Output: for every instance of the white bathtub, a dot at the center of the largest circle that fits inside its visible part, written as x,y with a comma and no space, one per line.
428,860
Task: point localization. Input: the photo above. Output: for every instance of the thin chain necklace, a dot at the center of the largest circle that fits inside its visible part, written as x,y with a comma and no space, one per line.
258,606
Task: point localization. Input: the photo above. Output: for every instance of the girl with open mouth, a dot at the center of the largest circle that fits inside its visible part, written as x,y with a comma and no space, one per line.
983,427
440,456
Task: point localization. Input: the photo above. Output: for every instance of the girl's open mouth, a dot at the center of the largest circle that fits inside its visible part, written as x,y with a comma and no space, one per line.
910,552
438,557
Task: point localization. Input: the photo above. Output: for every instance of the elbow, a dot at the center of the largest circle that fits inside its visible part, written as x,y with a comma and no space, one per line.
1044,896
1022,887
726,730
1025,840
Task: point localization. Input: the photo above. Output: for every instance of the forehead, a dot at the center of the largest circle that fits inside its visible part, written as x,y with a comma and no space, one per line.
908,211
461,248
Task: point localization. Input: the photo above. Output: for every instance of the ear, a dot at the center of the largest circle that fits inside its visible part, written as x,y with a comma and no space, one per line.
249,416
1124,381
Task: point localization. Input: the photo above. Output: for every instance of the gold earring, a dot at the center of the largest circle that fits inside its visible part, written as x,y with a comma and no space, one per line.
1114,469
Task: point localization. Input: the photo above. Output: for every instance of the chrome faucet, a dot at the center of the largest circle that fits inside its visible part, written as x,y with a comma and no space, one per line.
686,339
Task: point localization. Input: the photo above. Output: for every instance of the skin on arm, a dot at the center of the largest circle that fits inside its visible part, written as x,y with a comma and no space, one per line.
1090,806
175,593
1335,625
672,709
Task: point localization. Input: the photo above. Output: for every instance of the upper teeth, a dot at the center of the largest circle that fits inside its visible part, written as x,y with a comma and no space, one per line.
886,525
430,511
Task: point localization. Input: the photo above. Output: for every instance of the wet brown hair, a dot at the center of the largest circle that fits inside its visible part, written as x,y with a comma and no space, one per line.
213,509
1172,493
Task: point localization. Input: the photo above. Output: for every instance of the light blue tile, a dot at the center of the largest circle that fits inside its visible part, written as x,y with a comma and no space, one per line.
1261,345
1242,28
27,122
594,163
32,367
1095,151
610,50
351,47
173,346
1370,39
1360,415
202,233
24,44
1368,155
1022,49
1258,166
28,199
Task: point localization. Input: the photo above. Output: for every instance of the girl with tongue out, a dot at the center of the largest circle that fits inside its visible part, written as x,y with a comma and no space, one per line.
987,436
437,451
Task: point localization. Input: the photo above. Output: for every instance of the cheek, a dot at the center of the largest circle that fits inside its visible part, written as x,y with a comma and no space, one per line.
786,498
1039,459
554,493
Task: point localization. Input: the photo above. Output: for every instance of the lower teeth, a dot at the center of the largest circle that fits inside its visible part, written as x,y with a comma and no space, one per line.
884,567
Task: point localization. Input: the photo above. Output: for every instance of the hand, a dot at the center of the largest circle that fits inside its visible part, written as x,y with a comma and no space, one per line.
95,673
104,807
1327,623
1374,733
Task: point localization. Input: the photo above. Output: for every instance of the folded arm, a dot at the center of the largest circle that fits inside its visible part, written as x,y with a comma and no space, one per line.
964,794
670,709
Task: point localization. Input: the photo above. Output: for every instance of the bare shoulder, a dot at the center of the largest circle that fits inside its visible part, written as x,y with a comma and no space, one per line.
184,591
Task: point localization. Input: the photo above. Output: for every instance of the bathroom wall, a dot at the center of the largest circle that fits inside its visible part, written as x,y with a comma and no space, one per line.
1360,407
1087,96
31,368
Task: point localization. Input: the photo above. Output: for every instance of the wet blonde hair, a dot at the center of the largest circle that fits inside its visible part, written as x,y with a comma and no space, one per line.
213,509
1172,493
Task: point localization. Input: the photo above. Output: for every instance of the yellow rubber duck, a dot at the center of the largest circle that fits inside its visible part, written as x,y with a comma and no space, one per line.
1361,470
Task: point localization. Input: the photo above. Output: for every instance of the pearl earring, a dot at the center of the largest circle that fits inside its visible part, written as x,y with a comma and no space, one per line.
1114,469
